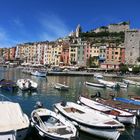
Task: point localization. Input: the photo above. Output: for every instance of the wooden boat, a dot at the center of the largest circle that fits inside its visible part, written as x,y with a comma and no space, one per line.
136,98
14,123
129,101
39,73
95,84
51,125
135,109
26,84
121,115
61,86
109,84
8,85
90,121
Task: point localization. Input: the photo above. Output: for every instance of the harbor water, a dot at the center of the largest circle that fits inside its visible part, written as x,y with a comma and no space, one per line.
49,96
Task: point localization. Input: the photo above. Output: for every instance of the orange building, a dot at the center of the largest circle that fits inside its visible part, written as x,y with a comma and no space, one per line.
115,55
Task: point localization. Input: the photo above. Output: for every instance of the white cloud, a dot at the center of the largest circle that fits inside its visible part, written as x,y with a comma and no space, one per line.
53,27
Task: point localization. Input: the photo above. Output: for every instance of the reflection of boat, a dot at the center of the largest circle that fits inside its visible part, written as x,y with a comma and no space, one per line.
89,120
14,123
51,125
26,84
61,86
39,73
8,84
120,115
95,84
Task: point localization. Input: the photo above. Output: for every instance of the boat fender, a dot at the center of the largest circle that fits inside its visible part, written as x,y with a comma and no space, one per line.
41,134
78,102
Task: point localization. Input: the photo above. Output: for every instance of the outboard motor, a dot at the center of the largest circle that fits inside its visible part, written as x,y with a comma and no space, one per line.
63,103
38,105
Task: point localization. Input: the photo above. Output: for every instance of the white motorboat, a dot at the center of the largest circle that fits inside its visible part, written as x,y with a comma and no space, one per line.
95,84
14,123
130,82
122,85
26,84
120,115
60,86
51,125
98,76
39,73
109,84
90,121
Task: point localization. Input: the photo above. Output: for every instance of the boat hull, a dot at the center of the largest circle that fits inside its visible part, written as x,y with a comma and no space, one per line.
102,132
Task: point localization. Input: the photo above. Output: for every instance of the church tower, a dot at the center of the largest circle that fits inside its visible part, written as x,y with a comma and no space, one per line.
78,30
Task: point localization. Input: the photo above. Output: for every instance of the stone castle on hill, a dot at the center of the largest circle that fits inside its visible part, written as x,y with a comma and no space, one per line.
106,47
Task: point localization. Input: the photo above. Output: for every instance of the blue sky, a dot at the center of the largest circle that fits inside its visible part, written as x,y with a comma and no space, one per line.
39,20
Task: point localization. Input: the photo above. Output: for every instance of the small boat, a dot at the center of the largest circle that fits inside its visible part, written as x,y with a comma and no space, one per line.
8,85
109,84
39,73
129,101
130,82
61,86
136,98
122,85
121,115
98,76
95,84
26,84
135,109
14,123
51,125
90,121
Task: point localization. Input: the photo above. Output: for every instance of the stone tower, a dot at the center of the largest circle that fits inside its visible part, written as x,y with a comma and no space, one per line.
132,46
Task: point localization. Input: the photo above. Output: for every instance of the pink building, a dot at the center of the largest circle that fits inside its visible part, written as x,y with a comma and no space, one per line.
65,54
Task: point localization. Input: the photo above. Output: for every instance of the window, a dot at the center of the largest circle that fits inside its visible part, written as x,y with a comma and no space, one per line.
130,53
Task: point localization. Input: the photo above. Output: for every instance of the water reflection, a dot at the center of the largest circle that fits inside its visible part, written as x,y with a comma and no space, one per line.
49,96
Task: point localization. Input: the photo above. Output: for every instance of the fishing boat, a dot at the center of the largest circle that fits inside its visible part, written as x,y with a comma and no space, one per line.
8,85
121,115
136,98
135,109
48,124
14,123
109,84
90,121
39,73
26,84
95,84
60,86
